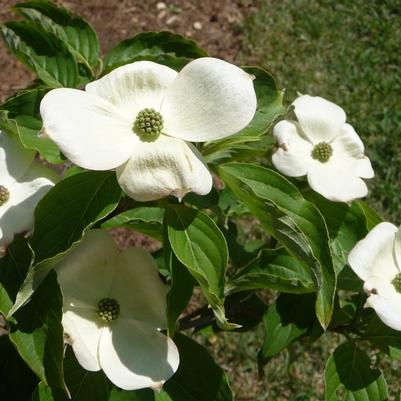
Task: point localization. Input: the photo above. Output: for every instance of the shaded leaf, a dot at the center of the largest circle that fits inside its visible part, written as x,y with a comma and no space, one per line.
161,47
349,377
73,30
38,334
289,317
20,115
292,220
275,269
45,54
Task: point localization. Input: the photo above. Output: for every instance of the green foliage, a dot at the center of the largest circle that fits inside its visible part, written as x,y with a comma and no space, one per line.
349,377
288,318
294,221
20,115
45,54
74,31
37,333
191,382
147,220
275,269
160,47
200,246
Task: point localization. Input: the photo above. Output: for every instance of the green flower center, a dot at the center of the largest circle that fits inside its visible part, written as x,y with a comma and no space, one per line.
397,282
4,195
148,124
108,309
322,152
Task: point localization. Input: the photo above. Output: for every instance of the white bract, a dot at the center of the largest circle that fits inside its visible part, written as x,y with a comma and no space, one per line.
377,261
114,305
138,118
23,182
322,146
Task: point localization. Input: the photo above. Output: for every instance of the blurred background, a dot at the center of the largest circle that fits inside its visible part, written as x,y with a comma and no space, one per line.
348,51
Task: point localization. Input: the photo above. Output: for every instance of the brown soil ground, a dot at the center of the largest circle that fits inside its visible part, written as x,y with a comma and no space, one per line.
215,25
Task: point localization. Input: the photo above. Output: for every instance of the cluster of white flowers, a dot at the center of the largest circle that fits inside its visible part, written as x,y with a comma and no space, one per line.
139,120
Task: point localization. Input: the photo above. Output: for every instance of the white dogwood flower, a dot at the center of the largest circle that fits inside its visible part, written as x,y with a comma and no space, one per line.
114,305
23,183
138,118
377,261
322,146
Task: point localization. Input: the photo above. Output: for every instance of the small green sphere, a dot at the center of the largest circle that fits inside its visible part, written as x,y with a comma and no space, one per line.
4,195
108,309
148,124
322,152
397,282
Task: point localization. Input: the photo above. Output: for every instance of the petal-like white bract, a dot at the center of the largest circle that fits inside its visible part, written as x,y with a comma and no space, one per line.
348,151
90,131
337,184
14,159
129,348
210,99
293,156
373,255
164,167
87,272
133,355
321,127
320,119
397,248
134,87
388,311
32,184
83,333
141,299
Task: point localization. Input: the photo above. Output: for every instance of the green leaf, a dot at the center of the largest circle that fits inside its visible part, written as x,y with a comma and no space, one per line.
13,268
371,216
199,245
383,337
147,220
45,54
346,225
61,218
349,377
38,333
275,269
17,381
182,284
292,220
74,31
20,115
198,378
269,108
288,318
161,47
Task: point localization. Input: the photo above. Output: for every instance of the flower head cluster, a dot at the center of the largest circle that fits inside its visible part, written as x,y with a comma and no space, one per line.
114,307
23,182
322,146
377,261
137,119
